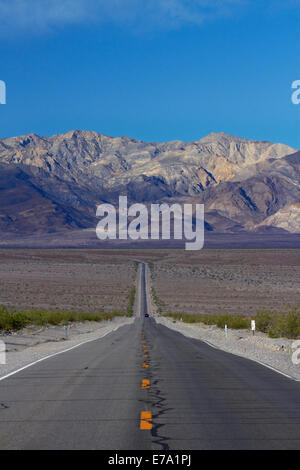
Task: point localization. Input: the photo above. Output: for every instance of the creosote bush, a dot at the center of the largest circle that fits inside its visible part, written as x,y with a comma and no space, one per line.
16,320
275,324
234,322
13,320
130,307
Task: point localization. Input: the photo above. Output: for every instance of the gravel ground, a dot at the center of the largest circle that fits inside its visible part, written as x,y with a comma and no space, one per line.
79,281
276,353
236,282
32,344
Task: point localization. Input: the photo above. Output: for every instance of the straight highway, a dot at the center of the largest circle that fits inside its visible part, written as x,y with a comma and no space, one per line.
145,386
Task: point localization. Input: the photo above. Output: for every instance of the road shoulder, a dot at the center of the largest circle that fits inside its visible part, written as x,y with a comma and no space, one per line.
50,341
274,353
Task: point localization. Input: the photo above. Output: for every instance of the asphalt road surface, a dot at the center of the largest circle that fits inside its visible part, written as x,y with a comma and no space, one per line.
145,386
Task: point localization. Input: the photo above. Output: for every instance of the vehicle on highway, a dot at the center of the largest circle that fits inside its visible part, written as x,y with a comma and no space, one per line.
146,314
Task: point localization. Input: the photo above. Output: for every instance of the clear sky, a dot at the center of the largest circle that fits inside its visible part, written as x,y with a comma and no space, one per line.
154,70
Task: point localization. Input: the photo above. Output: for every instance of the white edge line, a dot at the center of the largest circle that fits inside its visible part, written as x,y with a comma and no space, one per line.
253,360
238,355
275,370
57,353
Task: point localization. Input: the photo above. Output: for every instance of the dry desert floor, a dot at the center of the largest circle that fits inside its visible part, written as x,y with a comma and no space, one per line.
212,281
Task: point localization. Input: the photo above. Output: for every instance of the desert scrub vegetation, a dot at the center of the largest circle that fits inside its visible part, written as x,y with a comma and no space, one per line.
159,303
14,320
234,322
276,324
285,323
131,300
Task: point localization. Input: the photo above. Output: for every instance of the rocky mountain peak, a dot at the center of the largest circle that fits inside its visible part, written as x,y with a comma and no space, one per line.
242,182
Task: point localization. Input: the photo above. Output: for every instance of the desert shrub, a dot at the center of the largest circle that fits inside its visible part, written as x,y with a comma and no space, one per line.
274,332
232,321
263,320
275,324
292,325
131,300
158,302
285,324
279,324
18,320
4,318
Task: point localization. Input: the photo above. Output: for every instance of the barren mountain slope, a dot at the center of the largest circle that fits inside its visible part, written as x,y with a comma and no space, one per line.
64,177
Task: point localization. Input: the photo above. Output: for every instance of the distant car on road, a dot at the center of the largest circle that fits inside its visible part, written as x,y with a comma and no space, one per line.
146,314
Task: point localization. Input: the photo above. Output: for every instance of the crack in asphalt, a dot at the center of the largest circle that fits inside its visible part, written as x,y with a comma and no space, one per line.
158,402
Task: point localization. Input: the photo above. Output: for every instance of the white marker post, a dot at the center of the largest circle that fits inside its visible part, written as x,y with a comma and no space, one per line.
2,353
253,326
226,331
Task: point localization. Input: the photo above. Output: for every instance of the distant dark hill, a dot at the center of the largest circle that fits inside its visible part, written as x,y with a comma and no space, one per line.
26,209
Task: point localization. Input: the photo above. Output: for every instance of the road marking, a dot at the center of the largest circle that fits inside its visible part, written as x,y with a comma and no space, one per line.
145,383
145,355
57,353
249,359
145,365
239,355
233,353
272,368
146,418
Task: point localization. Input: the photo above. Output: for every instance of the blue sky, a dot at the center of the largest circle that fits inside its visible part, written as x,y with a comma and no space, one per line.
154,70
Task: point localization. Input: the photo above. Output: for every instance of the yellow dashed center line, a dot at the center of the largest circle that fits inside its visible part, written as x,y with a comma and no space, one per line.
145,383
146,420
146,416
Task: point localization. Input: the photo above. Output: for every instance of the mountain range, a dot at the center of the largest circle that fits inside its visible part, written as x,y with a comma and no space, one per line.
53,184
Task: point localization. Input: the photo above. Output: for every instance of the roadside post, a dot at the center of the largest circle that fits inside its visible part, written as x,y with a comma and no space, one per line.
66,330
253,326
226,331
2,353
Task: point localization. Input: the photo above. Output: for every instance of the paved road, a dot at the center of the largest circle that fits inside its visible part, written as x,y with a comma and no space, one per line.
198,398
